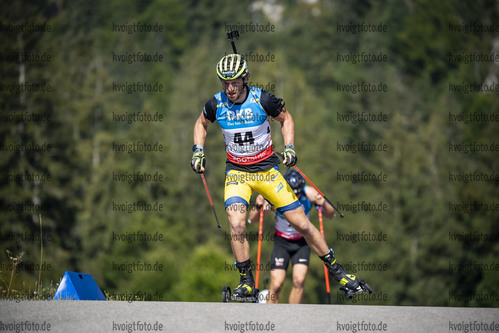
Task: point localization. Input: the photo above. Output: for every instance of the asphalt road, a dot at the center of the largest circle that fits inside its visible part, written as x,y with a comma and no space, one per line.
114,316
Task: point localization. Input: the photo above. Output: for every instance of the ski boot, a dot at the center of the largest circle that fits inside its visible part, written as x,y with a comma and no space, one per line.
350,285
245,291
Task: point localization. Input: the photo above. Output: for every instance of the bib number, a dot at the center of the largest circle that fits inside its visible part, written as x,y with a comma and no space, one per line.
248,138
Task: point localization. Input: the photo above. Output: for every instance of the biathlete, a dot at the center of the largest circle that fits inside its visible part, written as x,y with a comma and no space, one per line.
289,244
243,114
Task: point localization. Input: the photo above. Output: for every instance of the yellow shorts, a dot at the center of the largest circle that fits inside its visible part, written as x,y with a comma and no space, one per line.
239,185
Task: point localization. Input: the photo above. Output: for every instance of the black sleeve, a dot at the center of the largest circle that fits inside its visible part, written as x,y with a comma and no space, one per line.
210,110
271,104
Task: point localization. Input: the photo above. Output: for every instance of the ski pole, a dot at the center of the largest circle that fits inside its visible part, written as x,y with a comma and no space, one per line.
259,253
326,275
211,202
308,180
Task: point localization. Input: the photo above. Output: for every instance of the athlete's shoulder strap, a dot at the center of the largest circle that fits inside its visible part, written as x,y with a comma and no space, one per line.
257,94
218,97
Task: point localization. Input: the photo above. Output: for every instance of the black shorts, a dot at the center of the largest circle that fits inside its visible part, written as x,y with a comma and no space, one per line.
296,250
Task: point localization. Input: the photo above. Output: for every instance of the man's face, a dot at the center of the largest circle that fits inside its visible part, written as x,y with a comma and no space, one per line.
234,89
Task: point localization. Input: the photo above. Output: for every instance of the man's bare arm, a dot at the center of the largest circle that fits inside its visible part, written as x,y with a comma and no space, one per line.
287,126
200,130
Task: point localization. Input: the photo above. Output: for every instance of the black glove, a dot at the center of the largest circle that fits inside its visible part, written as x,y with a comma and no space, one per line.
289,155
198,162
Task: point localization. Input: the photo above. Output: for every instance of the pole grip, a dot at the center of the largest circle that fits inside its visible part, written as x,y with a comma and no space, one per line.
230,36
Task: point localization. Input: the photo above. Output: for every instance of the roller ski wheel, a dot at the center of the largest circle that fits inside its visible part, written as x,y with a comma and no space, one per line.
363,288
228,296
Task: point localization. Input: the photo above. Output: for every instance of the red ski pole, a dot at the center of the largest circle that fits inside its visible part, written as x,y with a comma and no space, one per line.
326,274
258,256
211,202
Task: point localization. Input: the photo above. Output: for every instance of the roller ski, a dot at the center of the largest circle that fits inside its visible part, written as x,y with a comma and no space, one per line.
245,291
249,298
350,285
363,288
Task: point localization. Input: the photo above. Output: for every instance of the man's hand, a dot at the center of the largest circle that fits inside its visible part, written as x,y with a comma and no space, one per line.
198,162
260,205
319,200
289,155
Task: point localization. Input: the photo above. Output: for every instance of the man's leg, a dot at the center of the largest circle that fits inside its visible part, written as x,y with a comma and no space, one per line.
277,277
300,261
279,262
300,222
237,219
237,195
299,275
240,248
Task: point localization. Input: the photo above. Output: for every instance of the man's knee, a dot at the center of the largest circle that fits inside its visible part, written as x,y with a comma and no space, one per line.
237,217
299,281
277,286
305,227
238,226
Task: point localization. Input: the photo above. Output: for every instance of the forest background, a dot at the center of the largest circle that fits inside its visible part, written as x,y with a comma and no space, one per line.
396,115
